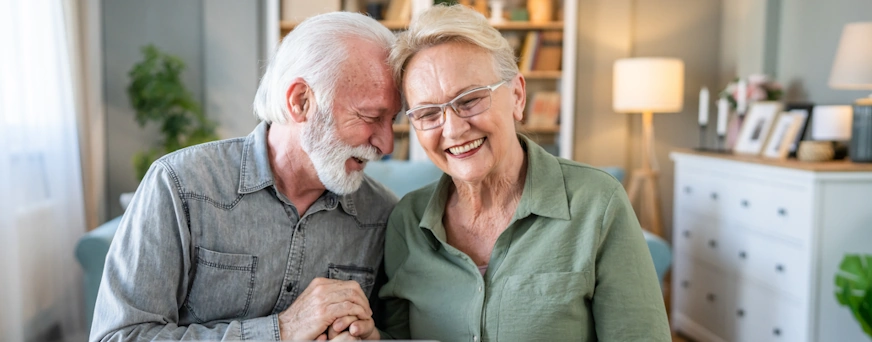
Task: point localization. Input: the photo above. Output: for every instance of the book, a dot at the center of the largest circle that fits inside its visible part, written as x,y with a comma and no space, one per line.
549,53
544,111
528,51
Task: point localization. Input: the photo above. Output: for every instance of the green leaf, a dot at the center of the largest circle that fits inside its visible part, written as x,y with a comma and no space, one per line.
854,288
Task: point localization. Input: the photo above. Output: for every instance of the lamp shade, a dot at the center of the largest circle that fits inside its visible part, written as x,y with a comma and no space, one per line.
831,123
852,68
648,84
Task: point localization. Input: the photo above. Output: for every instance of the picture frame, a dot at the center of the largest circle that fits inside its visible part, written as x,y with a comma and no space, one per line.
804,130
756,127
786,128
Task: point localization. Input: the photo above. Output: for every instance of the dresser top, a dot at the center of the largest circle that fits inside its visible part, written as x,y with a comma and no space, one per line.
830,166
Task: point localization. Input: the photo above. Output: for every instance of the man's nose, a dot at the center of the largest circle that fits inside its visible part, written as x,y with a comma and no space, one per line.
383,137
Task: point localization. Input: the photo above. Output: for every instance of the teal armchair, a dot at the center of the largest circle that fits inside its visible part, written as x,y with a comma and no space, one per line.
399,176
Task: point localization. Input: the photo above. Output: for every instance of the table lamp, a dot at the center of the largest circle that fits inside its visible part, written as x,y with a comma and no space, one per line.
852,69
647,85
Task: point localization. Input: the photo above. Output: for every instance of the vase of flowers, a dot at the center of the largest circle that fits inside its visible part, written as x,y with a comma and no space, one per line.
740,93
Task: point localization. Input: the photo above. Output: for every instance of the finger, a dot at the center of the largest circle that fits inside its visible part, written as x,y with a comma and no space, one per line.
345,336
321,337
362,328
331,334
334,294
338,310
342,323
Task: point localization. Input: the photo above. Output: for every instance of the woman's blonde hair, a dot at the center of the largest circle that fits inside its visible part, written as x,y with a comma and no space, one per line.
442,24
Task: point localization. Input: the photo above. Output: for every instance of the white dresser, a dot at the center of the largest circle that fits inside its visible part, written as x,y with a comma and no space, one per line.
758,243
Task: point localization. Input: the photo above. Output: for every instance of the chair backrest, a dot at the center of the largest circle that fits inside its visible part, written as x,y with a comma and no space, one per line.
403,176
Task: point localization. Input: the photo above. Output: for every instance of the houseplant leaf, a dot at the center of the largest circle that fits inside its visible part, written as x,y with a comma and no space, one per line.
854,288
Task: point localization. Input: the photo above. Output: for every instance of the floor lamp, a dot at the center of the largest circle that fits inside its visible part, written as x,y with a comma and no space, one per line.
647,85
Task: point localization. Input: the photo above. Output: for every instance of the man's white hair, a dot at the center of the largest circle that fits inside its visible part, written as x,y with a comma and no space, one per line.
315,51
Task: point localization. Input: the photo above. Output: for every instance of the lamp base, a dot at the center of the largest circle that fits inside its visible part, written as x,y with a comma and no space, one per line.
861,133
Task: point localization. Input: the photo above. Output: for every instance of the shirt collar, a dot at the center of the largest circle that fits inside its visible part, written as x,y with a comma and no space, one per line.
256,173
544,192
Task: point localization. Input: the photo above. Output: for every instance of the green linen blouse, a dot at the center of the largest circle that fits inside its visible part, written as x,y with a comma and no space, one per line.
571,266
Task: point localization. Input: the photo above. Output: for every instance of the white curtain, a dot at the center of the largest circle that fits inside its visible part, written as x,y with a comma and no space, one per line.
41,201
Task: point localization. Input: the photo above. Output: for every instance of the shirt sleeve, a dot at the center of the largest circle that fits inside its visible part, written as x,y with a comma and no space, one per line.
396,314
147,274
628,301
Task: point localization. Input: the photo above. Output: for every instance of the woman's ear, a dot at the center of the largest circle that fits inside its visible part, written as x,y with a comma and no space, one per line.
519,91
298,100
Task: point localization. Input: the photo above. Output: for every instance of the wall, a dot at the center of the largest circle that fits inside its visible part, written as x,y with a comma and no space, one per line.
610,30
220,41
809,36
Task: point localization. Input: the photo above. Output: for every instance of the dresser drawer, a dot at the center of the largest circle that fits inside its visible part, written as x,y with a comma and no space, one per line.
698,293
758,314
769,208
777,264
697,237
699,193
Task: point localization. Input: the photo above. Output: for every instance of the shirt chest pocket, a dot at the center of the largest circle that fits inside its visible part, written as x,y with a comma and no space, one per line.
222,285
536,307
365,276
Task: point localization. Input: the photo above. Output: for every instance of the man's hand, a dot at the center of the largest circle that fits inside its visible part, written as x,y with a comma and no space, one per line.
320,305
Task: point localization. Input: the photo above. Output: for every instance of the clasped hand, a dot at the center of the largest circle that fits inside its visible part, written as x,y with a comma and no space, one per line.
325,309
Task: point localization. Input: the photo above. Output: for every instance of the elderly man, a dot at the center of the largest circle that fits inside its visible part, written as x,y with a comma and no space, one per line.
238,239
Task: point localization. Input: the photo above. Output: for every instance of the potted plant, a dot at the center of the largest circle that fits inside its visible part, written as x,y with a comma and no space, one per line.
158,95
854,288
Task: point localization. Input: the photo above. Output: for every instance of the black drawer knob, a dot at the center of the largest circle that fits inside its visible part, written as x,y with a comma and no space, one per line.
687,190
713,244
714,196
776,332
710,297
743,255
745,203
686,233
740,313
685,284
782,212
779,268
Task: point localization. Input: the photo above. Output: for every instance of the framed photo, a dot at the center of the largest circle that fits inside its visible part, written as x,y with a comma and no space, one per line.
784,132
755,129
804,130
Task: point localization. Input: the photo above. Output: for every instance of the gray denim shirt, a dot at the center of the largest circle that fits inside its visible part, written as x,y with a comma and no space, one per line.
209,249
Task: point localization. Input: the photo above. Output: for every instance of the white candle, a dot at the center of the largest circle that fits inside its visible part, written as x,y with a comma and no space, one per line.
723,107
703,106
742,97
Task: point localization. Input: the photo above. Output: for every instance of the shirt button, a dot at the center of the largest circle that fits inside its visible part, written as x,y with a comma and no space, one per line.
475,338
479,288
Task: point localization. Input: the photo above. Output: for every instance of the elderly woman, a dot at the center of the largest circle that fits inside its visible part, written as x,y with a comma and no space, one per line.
512,244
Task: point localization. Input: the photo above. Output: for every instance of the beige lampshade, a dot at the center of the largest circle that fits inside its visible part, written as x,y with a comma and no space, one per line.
648,84
852,68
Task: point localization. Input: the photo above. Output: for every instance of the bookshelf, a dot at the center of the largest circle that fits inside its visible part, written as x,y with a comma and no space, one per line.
560,136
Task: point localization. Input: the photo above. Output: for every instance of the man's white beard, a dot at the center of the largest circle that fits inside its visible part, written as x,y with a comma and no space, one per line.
329,154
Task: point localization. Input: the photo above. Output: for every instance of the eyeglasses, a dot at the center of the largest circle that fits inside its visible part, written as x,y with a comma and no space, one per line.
471,103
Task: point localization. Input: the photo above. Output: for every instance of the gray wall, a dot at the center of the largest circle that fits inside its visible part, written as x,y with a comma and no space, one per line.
219,40
808,39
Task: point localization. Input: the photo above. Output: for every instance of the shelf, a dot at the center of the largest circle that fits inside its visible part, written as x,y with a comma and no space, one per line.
506,26
542,75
